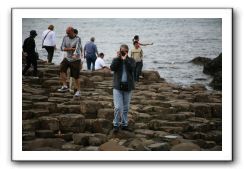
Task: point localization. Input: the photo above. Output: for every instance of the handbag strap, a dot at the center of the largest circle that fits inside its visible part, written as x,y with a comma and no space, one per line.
45,38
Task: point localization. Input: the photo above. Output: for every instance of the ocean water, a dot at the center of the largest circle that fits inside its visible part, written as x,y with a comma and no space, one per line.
176,41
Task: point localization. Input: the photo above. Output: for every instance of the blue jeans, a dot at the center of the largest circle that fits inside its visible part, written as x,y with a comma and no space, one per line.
121,106
89,61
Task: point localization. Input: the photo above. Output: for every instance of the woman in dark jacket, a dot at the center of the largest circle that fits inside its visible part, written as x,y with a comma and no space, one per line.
123,84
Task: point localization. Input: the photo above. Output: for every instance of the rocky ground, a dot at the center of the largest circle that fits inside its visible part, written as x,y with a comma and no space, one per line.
162,116
211,67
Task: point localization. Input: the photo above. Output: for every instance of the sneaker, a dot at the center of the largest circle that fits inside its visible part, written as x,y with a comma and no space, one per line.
63,89
77,93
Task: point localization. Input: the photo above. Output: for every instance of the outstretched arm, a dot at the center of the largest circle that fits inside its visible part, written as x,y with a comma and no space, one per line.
146,44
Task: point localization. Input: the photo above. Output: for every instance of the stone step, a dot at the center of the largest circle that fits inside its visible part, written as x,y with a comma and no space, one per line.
33,91
52,82
67,109
71,123
52,107
112,146
142,117
71,147
159,147
27,105
180,116
34,113
44,133
44,144
158,124
49,123
141,125
89,139
106,113
57,100
28,135
30,125
172,130
98,125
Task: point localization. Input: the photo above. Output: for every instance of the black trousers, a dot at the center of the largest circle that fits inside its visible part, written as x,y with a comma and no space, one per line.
30,61
50,51
138,70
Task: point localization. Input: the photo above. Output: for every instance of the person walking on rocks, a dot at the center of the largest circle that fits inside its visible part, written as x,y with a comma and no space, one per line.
71,45
137,55
49,42
73,88
90,53
29,51
123,84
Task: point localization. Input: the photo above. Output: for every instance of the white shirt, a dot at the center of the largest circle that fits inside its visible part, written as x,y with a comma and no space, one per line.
99,64
50,38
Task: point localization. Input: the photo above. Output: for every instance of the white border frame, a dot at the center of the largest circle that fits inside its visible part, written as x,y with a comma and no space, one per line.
224,155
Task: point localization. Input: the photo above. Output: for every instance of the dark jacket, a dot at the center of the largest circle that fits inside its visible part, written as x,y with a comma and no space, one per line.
117,66
29,46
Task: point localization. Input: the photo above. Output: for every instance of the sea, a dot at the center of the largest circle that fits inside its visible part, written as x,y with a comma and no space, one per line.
176,41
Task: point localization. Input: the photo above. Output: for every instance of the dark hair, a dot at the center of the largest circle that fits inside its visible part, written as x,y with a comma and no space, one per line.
136,37
101,54
92,39
135,42
33,33
76,31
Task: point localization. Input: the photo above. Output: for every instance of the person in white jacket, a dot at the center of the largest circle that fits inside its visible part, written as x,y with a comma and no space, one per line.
49,42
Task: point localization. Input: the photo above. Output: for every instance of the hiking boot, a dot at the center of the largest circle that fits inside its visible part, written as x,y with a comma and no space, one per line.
63,89
77,93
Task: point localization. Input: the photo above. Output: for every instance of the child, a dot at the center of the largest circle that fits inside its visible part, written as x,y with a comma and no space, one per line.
136,38
137,55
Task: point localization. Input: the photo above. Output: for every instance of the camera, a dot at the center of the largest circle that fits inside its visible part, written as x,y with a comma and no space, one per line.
122,53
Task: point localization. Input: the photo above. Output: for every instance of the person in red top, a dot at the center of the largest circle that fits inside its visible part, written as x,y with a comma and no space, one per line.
136,38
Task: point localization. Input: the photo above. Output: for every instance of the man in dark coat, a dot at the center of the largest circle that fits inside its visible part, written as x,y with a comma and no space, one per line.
29,52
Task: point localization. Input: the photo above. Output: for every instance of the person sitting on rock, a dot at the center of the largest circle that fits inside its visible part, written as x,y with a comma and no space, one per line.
123,84
71,45
100,64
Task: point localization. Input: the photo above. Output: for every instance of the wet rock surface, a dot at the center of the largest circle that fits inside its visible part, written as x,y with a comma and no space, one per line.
162,116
